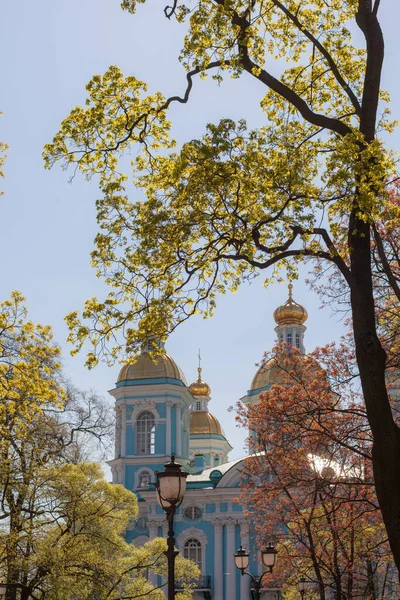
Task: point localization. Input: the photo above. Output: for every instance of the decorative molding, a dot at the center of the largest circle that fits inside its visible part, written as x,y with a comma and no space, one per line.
192,532
139,472
141,405
230,523
218,525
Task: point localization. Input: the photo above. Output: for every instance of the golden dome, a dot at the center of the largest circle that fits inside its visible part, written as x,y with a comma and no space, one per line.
199,387
272,372
155,367
202,422
267,375
290,312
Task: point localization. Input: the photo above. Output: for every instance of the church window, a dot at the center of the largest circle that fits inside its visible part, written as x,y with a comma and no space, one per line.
289,337
141,523
297,339
144,479
145,433
198,405
193,513
192,551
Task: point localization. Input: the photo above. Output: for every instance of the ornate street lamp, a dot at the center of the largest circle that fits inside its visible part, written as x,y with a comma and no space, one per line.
171,487
268,557
302,586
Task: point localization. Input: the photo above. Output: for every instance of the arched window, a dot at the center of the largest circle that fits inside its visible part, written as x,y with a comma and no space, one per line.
144,479
289,337
145,433
297,339
192,551
198,405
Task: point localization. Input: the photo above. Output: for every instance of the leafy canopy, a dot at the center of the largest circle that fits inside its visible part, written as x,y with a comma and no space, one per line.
30,376
75,540
237,200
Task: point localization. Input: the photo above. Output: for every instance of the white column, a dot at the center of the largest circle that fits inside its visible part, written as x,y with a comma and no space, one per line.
178,431
244,579
168,430
153,526
230,561
123,431
218,562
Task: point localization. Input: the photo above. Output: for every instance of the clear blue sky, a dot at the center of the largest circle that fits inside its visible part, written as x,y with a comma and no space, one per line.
50,49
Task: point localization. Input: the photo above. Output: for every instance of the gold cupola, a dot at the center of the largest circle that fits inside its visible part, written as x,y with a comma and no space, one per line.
148,367
199,387
290,313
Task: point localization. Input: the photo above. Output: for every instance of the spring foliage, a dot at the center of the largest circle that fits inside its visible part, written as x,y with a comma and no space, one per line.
236,200
61,523
310,479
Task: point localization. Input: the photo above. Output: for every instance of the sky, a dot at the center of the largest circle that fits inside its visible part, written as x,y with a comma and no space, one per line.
50,50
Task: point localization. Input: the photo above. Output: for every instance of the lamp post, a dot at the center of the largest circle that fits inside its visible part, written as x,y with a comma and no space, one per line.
268,557
302,585
171,487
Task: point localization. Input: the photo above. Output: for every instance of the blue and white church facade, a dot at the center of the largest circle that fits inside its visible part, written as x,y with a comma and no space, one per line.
158,414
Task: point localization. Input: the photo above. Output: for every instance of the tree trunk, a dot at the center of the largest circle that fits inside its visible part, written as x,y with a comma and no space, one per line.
371,595
371,359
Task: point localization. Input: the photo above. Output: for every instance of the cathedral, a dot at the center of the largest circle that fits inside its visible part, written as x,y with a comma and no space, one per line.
159,414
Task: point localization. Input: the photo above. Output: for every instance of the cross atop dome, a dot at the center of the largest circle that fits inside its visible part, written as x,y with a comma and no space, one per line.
200,387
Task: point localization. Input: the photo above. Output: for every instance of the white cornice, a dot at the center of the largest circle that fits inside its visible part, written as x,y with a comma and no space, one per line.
153,389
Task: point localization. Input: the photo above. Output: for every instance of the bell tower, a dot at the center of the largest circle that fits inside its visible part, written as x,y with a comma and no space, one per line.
152,405
290,318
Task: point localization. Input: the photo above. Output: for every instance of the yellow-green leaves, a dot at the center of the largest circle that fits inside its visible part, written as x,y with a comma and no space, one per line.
201,220
29,369
115,115
75,540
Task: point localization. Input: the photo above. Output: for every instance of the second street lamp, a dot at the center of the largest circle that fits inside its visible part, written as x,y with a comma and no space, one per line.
302,585
171,487
242,560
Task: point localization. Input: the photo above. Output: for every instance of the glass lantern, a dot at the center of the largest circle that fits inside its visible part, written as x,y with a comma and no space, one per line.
241,559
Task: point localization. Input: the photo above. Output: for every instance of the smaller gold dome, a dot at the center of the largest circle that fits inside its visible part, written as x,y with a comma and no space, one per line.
202,422
199,387
290,312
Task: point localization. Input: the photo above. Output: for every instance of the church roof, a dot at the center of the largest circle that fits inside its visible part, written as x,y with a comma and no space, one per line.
205,475
203,422
152,367
267,375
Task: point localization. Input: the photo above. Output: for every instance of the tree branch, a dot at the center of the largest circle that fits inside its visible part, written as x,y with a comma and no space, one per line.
385,263
333,66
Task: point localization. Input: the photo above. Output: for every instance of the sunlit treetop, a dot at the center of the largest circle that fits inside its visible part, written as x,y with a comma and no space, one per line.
200,220
30,369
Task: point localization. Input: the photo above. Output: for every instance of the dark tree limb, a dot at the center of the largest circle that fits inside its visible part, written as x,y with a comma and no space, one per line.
328,57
